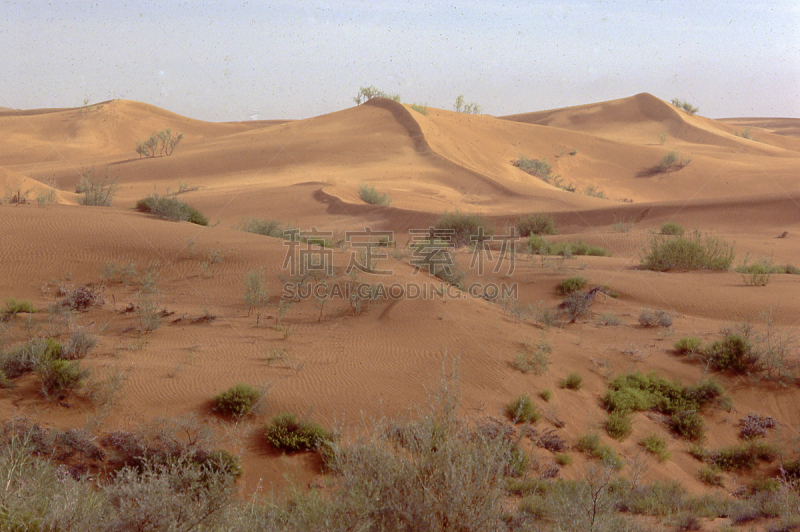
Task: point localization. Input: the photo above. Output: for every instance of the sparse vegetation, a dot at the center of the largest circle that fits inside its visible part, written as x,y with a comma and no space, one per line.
672,161
733,352
522,410
467,228
657,446
534,359
696,252
546,394
421,109
12,307
685,105
537,244
369,195
536,224
671,228
542,170
96,191
255,295
289,434
688,345
590,444
619,425
271,228
170,208
163,142
365,94
654,318
571,285
609,319
760,272
461,106
236,401
594,192
573,381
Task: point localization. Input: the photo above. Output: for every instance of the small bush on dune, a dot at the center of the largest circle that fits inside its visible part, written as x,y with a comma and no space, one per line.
671,228
170,208
287,433
574,381
163,142
57,375
618,425
571,284
538,168
697,252
12,307
672,162
577,305
365,94
654,318
656,445
96,191
734,352
685,105
272,228
79,345
461,106
536,224
421,109
688,345
534,359
522,410
538,245
236,401
466,228
369,195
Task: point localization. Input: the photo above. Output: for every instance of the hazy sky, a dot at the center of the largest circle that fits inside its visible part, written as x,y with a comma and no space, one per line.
229,60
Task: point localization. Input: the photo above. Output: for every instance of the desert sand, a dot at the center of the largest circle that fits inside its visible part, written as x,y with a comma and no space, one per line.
342,369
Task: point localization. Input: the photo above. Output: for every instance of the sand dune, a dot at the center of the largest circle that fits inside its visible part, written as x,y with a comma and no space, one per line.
339,367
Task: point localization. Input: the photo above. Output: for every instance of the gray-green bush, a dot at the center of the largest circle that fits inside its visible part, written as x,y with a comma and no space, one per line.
695,252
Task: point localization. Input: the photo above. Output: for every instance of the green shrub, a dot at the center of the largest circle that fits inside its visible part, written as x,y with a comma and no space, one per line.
572,284
685,105
461,106
574,381
546,394
421,109
534,359
13,306
271,228
236,401
656,445
170,208
650,318
710,475
688,345
619,425
590,444
369,195
671,162
95,191
79,345
671,228
594,192
287,433
741,457
610,319
522,410
467,228
759,273
536,224
162,141
535,167
697,252
688,424
563,459
57,375
577,305
734,352
365,94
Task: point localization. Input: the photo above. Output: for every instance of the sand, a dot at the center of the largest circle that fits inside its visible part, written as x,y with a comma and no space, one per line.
342,369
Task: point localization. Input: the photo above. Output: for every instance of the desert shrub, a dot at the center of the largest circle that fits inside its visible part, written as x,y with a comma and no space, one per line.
461,106
534,359
80,299
466,228
12,307
671,228
126,274
96,191
656,445
45,197
650,318
619,425
369,195
255,295
271,228
236,401
162,141
590,444
365,94
594,192
688,345
57,375
733,352
563,459
538,245
759,273
170,208
572,284
573,381
79,345
740,457
697,252
522,410
421,109
672,161
535,167
688,424
755,426
685,105
546,394
287,433
536,224
610,319
577,305
710,475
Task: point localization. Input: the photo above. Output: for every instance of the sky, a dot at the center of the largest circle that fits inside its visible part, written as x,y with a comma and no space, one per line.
225,60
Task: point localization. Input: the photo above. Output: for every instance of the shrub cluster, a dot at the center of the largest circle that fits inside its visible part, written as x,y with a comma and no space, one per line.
685,105
522,410
13,306
365,94
461,106
287,433
590,444
654,318
170,208
163,142
672,162
573,381
50,361
536,224
637,392
467,228
236,401
656,445
96,191
537,244
534,359
671,228
542,170
272,228
697,252
369,195
571,285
